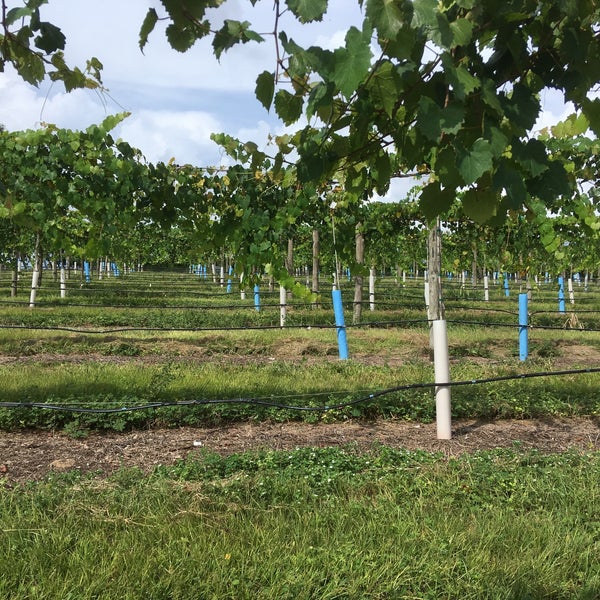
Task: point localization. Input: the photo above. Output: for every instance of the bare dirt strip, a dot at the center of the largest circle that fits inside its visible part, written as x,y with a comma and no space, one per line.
29,456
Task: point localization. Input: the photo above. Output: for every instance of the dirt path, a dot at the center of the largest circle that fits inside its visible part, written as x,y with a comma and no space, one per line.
29,456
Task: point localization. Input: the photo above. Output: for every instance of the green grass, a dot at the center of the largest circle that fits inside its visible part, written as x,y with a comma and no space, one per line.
89,355
311,523
96,384
326,523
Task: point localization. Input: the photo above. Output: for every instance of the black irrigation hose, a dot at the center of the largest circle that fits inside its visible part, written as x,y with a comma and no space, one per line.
483,309
558,313
273,404
365,324
197,329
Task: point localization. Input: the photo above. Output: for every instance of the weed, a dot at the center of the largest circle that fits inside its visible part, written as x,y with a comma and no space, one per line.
310,523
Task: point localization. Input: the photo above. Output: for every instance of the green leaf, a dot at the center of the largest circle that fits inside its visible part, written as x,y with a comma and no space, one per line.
265,88
387,16
476,161
445,168
433,120
532,156
14,14
232,33
442,34
425,12
352,63
180,37
320,101
308,10
384,87
148,24
497,139
552,184
434,200
110,122
489,96
29,64
51,38
508,178
573,125
480,205
382,172
462,82
402,45
462,32
288,106
313,162
591,109
523,107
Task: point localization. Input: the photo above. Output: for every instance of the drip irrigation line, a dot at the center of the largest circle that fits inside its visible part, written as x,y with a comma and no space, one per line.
500,310
271,403
198,329
365,324
164,306
179,329
564,328
566,313
482,323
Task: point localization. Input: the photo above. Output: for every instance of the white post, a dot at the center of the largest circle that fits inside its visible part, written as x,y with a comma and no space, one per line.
570,288
282,305
63,283
372,289
442,376
486,288
35,277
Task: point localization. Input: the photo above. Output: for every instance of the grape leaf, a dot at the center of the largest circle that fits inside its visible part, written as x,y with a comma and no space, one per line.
591,109
308,10
383,86
434,200
433,120
265,88
51,38
181,37
232,33
147,27
480,204
476,161
288,106
352,62
387,17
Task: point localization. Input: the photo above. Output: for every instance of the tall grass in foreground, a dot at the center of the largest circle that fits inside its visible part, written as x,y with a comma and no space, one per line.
311,523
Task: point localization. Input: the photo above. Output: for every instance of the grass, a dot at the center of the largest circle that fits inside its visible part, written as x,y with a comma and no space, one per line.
89,355
311,523
327,523
244,385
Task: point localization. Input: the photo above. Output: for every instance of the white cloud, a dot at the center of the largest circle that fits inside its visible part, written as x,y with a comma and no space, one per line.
163,135
554,109
24,107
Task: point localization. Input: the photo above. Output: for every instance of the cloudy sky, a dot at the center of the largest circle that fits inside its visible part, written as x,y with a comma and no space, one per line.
176,100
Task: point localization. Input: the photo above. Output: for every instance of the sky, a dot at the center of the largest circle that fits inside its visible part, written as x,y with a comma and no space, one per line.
176,100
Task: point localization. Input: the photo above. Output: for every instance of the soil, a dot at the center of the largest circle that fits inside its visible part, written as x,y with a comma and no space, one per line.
29,456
